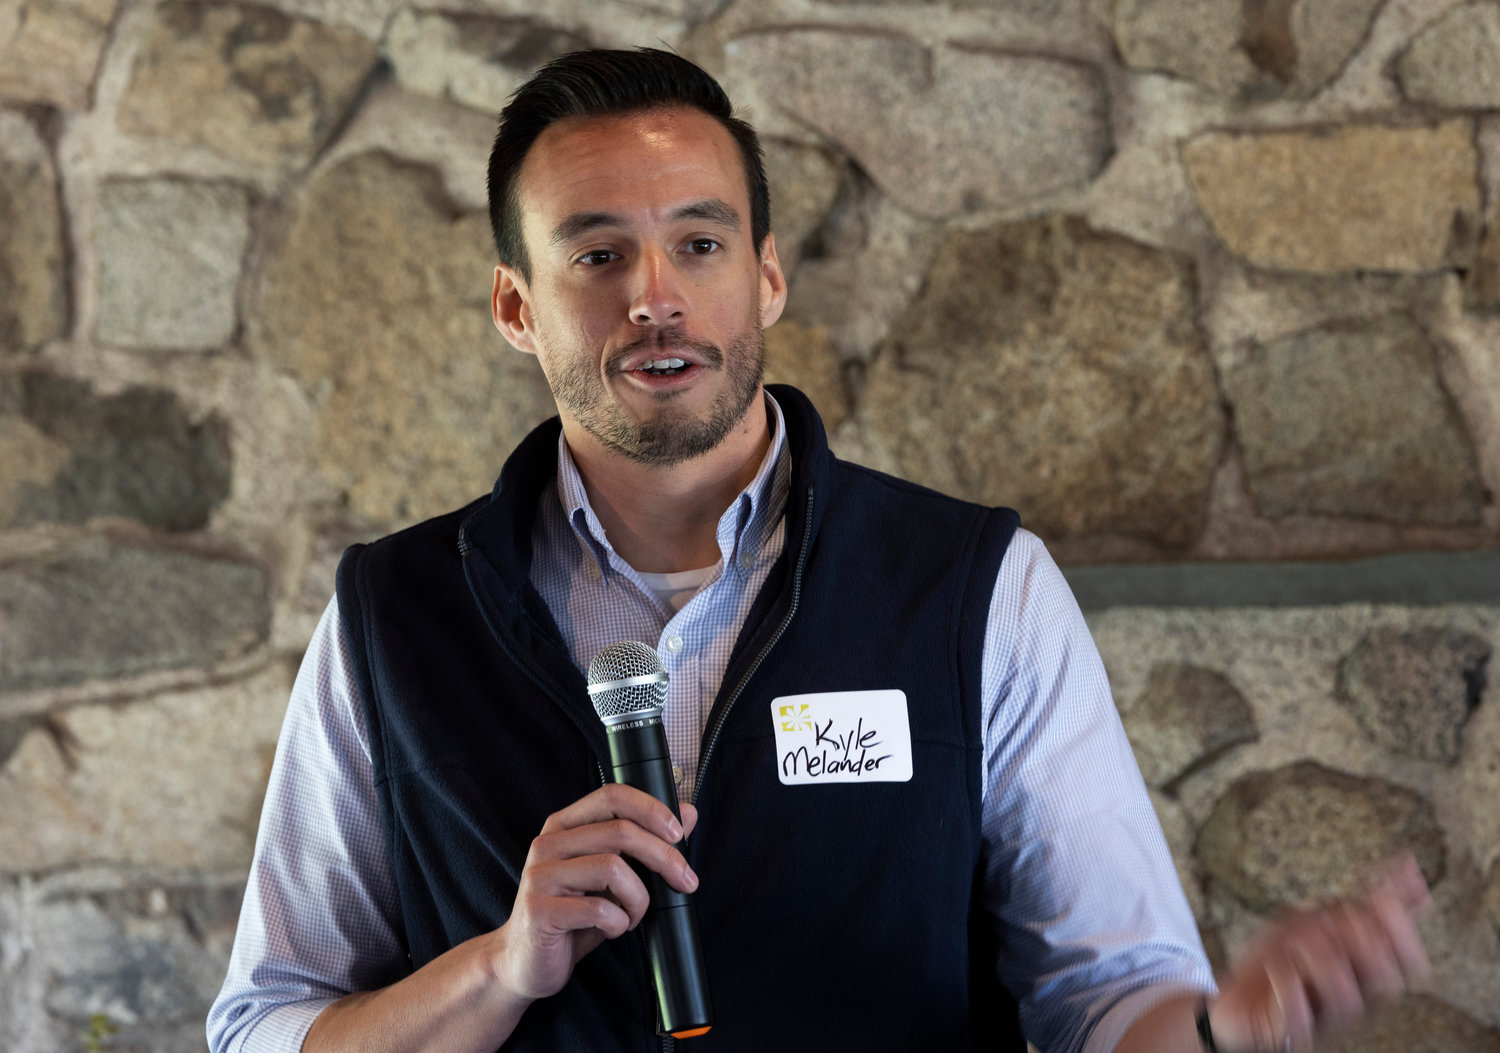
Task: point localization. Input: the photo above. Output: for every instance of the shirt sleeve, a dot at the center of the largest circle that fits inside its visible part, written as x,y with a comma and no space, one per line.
320,918
1093,925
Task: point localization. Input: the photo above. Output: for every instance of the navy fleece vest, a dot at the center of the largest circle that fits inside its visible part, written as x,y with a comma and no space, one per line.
833,916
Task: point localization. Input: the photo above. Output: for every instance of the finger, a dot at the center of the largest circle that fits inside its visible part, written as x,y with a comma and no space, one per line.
617,837
618,801
552,888
578,913
1403,877
1400,929
1362,933
1290,1004
689,818
1338,996
1327,975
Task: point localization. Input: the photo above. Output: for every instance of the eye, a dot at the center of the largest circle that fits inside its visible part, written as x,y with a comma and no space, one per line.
703,246
597,257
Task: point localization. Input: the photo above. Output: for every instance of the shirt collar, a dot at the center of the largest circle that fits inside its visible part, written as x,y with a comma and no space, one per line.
744,527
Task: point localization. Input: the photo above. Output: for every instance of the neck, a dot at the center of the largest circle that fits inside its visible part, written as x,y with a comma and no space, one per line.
665,519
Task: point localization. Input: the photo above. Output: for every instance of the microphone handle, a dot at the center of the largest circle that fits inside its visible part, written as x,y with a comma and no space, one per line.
638,753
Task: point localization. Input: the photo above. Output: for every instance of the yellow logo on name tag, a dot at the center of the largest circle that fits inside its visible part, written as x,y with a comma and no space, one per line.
796,718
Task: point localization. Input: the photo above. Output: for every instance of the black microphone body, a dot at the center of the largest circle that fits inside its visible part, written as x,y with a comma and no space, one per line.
638,753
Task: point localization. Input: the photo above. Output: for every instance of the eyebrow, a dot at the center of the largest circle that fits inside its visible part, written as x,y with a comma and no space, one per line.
579,223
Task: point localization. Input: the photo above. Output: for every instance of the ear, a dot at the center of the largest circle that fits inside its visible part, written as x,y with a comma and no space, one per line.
510,309
772,283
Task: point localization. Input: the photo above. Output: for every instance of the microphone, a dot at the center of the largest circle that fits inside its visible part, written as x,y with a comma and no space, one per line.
628,687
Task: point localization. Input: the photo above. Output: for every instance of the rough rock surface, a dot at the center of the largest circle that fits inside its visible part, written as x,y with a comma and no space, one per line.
247,81
1455,62
1492,900
945,131
1413,691
862,268
1482,289
1385,443
419,399
1304,832
804,182
153,953
805,358
1339,199
170,254
49,49
67,454
473,60
1185,718
1258,50
33,303
1058,370
111,612
89,785
1418,1023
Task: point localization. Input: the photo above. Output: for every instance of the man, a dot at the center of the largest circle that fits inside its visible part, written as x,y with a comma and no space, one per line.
442,864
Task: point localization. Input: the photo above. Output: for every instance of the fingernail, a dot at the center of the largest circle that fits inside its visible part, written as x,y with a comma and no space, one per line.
692,878
674,831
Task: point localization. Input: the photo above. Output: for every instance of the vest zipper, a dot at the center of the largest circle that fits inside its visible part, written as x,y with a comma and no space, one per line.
780,631
667,1042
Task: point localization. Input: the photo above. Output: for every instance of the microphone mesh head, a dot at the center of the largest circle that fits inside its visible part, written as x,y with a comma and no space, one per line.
619,663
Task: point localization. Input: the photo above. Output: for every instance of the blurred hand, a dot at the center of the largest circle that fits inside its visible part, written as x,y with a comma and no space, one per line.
1317,971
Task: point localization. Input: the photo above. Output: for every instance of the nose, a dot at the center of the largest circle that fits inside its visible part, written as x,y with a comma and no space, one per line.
657,298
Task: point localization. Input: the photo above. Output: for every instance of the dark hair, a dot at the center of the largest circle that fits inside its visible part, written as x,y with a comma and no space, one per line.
593,84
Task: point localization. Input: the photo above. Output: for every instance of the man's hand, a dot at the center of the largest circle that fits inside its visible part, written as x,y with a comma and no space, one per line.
577,888
1315,971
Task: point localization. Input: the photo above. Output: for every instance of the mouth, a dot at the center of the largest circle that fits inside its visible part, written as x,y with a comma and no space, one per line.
662,367
664,358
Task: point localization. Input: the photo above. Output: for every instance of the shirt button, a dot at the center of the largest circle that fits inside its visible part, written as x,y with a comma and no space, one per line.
747,559
677,774
674,644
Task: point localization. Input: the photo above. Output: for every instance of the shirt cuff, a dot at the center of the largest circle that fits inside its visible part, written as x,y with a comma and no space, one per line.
1121,1016
282,1027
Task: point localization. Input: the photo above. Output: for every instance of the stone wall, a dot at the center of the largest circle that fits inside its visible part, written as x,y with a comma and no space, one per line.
1203,287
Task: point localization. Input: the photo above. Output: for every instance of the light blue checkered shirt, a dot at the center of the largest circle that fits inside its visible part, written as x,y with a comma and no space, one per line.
1093,924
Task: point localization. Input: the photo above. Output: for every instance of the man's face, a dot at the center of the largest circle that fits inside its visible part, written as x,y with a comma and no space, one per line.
647,295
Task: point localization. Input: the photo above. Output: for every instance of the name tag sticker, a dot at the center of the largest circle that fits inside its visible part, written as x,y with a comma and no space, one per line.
842,736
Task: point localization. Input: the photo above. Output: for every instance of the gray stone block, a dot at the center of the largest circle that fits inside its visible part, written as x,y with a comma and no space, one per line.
1249,51
945,131
34,299
170,781
245,80
418,398
170,254
68,454
1385,441
1455,62
1413,691
1304,833
1337,200
1186,717
1058,370
109,612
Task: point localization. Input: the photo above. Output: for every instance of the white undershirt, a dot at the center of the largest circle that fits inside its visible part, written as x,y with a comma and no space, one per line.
677,587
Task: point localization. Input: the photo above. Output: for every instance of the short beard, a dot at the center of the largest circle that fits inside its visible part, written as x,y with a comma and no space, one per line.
669,440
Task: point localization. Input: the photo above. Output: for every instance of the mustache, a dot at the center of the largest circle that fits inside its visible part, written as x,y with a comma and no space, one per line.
668,340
